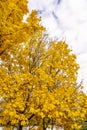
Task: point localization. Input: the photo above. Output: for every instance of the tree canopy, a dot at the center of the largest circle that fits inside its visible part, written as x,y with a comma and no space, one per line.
38,76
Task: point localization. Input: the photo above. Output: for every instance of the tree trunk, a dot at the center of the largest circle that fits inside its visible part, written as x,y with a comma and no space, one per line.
20,127
44,125
52,127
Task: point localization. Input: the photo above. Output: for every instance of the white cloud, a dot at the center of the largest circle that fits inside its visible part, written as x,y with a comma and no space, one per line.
67,20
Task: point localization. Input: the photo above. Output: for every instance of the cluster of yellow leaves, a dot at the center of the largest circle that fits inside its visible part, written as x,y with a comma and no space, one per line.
38,77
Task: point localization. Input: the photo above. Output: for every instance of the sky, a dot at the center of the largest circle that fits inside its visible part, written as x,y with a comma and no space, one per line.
66,20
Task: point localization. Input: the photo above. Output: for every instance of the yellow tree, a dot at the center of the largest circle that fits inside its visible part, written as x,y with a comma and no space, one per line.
12,28
44,90
11,25
38,77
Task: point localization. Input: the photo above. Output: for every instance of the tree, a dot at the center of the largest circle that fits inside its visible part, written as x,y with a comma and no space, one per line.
12,28
44,91
11,23
84,125
38,81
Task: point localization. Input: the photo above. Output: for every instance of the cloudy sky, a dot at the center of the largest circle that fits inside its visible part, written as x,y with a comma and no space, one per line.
67,20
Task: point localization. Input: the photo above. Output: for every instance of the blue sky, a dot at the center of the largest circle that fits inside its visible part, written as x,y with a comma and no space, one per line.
67,20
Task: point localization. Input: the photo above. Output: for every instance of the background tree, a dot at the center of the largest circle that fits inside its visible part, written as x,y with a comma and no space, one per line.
84,125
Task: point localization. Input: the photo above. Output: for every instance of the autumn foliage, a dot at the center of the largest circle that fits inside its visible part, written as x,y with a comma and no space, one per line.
38,77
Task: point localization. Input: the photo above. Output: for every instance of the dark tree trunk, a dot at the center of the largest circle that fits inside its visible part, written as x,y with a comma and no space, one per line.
20,127
44,125
52,124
